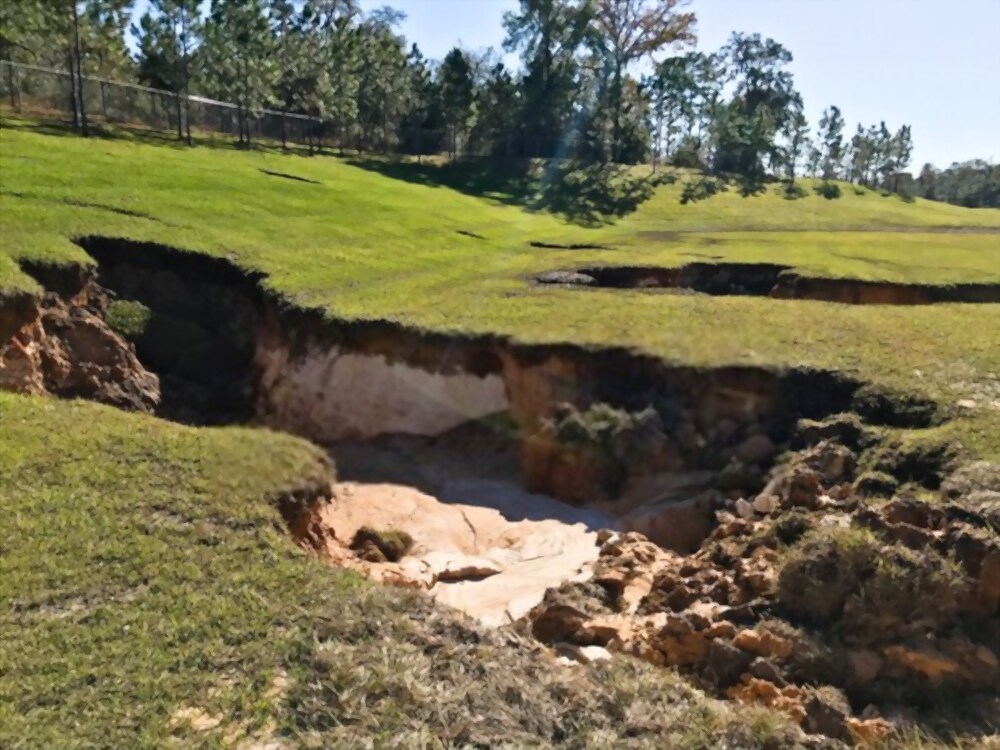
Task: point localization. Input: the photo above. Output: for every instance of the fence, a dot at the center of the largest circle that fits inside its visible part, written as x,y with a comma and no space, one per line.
48,95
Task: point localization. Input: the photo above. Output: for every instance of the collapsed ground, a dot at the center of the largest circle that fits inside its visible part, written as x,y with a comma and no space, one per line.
715,407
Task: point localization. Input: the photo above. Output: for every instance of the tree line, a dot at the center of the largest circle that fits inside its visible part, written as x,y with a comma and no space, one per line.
606,81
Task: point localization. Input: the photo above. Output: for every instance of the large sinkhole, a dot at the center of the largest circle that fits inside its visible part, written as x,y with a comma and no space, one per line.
608,430
768,280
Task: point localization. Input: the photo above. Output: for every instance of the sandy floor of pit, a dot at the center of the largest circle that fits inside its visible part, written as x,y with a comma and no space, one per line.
458,496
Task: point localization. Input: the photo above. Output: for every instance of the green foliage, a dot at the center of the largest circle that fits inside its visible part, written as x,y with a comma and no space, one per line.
391,544
821,571
128,319
870,587
701,188
829,190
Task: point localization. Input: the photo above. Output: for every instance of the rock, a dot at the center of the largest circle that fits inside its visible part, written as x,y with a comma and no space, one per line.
834,462
582,654
804,487
601,631
756,449
765,504
743,509
766,670
927,663
912,512
61,347
725,663
557,622
868,732
875,483
755,691
843,428
679,526
722,629
827,711
455,566
864,667
684,649
763,643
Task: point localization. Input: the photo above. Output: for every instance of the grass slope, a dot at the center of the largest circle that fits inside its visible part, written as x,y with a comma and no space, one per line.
143,570
151,600
360,245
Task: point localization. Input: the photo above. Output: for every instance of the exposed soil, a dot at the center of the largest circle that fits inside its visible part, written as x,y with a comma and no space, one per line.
467,445
769,280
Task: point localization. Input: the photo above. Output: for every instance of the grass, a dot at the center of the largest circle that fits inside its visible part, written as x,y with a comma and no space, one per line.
370,242
143,564
152,600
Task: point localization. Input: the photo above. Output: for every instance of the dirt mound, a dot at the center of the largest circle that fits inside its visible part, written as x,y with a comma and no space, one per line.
61,345
807,597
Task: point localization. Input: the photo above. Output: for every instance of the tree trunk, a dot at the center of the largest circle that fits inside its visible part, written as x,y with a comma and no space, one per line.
72,89
78,54
180,119
13,84
187,78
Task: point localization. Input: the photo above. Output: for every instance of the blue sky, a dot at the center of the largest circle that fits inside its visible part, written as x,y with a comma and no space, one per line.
932,64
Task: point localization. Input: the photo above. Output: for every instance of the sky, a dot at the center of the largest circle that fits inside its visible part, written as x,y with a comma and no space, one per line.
930,64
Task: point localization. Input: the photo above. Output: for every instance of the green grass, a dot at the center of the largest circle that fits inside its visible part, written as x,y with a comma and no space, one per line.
143,566
361,245
145,577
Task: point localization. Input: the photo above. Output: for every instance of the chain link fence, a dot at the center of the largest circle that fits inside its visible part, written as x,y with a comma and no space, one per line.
47,95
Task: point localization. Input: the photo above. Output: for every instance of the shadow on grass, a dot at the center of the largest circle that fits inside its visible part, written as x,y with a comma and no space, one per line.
589,195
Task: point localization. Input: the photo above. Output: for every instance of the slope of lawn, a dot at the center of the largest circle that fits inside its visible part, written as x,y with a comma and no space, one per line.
150,595
151,600
368,242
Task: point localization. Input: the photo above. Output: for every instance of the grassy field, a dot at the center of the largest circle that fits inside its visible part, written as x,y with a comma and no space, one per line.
149,586
382,241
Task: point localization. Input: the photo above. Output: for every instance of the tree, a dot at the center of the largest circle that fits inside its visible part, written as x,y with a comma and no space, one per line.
457,94
673,90
382,80
168,34
497,111
831,138
239,62
797,136
927,182
763,101
548,34
901,150
624,31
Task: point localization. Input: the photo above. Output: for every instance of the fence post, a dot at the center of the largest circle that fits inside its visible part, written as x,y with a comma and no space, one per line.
180,123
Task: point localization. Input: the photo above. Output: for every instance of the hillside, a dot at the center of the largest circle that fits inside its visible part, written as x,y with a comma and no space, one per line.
155,596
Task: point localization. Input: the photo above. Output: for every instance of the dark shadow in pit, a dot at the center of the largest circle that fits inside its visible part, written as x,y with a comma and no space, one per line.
192,320
770,280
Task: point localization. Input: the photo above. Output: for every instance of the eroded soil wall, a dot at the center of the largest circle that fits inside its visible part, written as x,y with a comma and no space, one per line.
591,423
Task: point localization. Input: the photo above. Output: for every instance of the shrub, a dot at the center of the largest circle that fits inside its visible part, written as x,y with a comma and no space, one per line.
127,318
820,572
872,588
793,191
829,190
389,544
